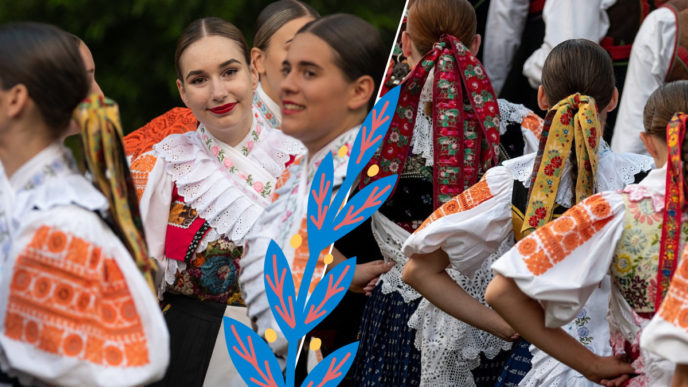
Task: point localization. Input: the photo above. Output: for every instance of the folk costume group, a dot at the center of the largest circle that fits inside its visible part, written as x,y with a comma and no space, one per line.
515,249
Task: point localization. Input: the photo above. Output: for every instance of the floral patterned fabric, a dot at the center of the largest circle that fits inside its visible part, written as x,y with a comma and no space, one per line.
465,121
571,121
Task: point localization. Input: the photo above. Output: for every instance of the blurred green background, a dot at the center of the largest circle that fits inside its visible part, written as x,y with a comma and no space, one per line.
133,41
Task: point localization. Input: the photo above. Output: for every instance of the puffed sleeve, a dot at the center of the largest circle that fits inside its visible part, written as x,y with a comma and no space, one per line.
75,310
563,262
469,227
667,333
154,187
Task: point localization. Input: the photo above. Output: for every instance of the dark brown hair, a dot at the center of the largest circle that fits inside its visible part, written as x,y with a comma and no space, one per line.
578,66
208,26
276,15
428,20
667,100
45,59
358,47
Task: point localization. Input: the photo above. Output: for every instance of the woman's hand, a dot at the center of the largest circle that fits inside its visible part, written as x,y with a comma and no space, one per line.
367,274
680,376
610,371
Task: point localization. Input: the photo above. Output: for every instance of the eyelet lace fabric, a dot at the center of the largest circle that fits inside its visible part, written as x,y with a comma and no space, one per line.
390,237
451,348
614,171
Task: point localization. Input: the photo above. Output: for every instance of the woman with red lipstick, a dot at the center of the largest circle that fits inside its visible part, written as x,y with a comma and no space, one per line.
275,27
201,191
332,72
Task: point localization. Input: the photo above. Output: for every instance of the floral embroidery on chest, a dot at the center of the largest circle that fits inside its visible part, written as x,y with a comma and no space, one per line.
636,260
264,112
263,188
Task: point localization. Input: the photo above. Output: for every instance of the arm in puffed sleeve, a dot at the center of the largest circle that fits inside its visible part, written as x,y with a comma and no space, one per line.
653,50
75,309
667,333
155,204
563,262
506,20
469,227
566,19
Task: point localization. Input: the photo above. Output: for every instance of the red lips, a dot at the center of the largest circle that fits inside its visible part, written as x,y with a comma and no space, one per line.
224,109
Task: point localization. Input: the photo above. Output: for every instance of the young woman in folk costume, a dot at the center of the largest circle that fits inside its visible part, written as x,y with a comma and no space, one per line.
470,232
444,135
332,72
275,26
75,310
667,333
201,192
635,235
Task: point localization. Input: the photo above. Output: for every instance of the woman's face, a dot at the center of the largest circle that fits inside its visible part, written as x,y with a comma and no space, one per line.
90,68
269,66
315,95
218,86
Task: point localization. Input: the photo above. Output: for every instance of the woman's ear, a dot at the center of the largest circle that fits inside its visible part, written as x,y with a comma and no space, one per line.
649,145
255,77
15,100
362,90
406,44
182,93
542,99
614,101
475,44
257,58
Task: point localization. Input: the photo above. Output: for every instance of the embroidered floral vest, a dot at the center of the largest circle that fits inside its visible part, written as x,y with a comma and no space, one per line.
635,263
209,275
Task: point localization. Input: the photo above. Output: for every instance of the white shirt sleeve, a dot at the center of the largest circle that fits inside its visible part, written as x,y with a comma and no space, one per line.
469,227
155,211
563,262
566,19
653,50
506,20
90,318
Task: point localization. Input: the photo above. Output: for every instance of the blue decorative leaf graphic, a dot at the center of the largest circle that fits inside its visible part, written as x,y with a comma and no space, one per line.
279,287
319,198
332,369
328,293
251,356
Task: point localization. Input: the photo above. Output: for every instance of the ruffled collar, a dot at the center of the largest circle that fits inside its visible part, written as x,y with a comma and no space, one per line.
614,171
227,186
268,109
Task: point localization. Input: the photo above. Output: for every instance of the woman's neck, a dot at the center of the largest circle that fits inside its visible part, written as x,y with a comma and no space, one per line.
318,144
236,135
20,143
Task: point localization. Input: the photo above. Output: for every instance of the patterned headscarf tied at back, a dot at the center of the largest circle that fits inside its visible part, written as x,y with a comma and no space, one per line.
673,206
465,123
101,136
574,120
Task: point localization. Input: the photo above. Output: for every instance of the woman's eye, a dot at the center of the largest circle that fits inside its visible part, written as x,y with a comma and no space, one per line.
308,74
231,72
197,81
285,71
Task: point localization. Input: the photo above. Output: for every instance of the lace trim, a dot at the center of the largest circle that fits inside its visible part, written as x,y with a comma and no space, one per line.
390,237
222,199
614,171
510,114
422,138
449,347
